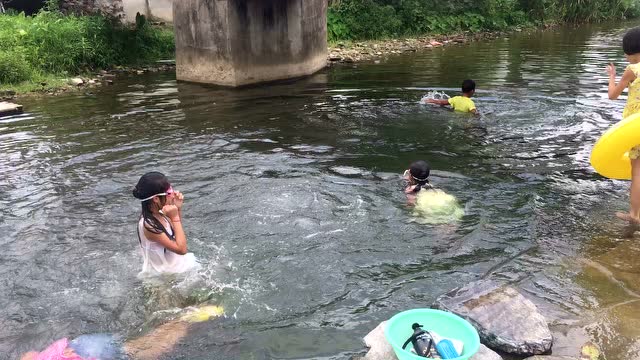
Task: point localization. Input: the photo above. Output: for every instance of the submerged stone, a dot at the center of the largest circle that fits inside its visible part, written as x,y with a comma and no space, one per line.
349,171
505,319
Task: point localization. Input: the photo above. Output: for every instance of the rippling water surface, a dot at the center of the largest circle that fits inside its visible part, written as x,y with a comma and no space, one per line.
293,203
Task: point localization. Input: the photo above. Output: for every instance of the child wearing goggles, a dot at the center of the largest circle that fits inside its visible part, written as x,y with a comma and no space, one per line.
160,233
430,205
417,177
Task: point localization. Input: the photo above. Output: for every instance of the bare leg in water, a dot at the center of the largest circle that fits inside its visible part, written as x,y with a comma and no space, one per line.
164,338
148,347
31,355
159,341
633,216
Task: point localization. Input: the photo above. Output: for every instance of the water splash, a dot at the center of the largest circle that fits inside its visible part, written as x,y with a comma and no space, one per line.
434,95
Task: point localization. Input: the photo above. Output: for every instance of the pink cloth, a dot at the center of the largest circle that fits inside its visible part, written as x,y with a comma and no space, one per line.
56,352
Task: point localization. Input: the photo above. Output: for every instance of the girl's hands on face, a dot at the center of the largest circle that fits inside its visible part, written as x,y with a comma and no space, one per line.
178,199
171,211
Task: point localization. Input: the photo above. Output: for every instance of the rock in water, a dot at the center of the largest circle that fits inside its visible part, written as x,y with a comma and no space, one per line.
550,357
7,108
484,353
76,82
379,347
504,318
349,171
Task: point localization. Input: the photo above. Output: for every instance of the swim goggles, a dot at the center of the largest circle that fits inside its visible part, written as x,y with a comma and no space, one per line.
169,192
408,173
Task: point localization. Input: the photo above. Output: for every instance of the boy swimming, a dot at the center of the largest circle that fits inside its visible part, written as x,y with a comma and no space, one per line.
462,103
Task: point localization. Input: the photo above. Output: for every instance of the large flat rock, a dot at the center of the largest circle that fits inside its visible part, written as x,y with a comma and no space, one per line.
380,349
486,354
505,319
7,108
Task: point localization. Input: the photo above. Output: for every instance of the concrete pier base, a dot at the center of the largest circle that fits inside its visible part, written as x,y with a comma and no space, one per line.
242,42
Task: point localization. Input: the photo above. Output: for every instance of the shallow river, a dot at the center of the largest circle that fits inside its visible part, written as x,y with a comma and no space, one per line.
294,204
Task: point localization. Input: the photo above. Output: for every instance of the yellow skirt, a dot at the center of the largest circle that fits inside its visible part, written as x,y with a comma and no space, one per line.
437,207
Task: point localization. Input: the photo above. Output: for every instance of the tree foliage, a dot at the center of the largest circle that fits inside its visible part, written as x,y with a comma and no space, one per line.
368,19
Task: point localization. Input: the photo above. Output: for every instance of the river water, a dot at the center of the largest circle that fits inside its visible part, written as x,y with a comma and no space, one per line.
293,201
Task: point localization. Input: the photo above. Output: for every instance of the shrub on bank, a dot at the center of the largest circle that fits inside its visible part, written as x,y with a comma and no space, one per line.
14,67
369,19
52,43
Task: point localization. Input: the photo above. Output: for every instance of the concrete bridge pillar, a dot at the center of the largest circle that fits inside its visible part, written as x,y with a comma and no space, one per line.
241,42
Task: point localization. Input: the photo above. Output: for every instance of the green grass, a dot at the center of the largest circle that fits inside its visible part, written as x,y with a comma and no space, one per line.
51,45
35,85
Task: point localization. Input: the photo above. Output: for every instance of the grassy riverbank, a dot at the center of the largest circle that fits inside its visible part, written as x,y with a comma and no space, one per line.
49,47
380,19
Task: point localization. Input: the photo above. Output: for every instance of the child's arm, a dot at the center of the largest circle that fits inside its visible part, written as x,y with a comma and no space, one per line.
616,89
441,102
179,246
411,195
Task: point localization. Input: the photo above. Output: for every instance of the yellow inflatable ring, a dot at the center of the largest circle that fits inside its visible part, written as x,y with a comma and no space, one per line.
610,155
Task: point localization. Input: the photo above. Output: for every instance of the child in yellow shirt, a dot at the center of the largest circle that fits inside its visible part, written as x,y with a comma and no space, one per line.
461,103
630,78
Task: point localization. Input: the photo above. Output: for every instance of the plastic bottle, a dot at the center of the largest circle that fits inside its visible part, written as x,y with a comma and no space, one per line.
421,340
446,350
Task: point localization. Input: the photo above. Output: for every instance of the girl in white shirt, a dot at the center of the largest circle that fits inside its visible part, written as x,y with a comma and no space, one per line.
162,238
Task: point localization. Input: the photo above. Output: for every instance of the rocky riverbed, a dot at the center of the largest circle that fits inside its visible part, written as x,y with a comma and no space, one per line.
89,80
372,50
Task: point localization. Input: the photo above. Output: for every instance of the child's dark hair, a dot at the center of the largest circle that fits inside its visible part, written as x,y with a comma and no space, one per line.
150,184
420,171
631,41
468,86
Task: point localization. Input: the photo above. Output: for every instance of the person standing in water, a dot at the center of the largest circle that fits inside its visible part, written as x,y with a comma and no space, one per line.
462,103
160,233
630,78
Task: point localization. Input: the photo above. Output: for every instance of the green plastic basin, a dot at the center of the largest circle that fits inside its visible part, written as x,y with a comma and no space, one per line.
446,324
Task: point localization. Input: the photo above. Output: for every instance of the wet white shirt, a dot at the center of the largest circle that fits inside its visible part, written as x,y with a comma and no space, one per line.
157,259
